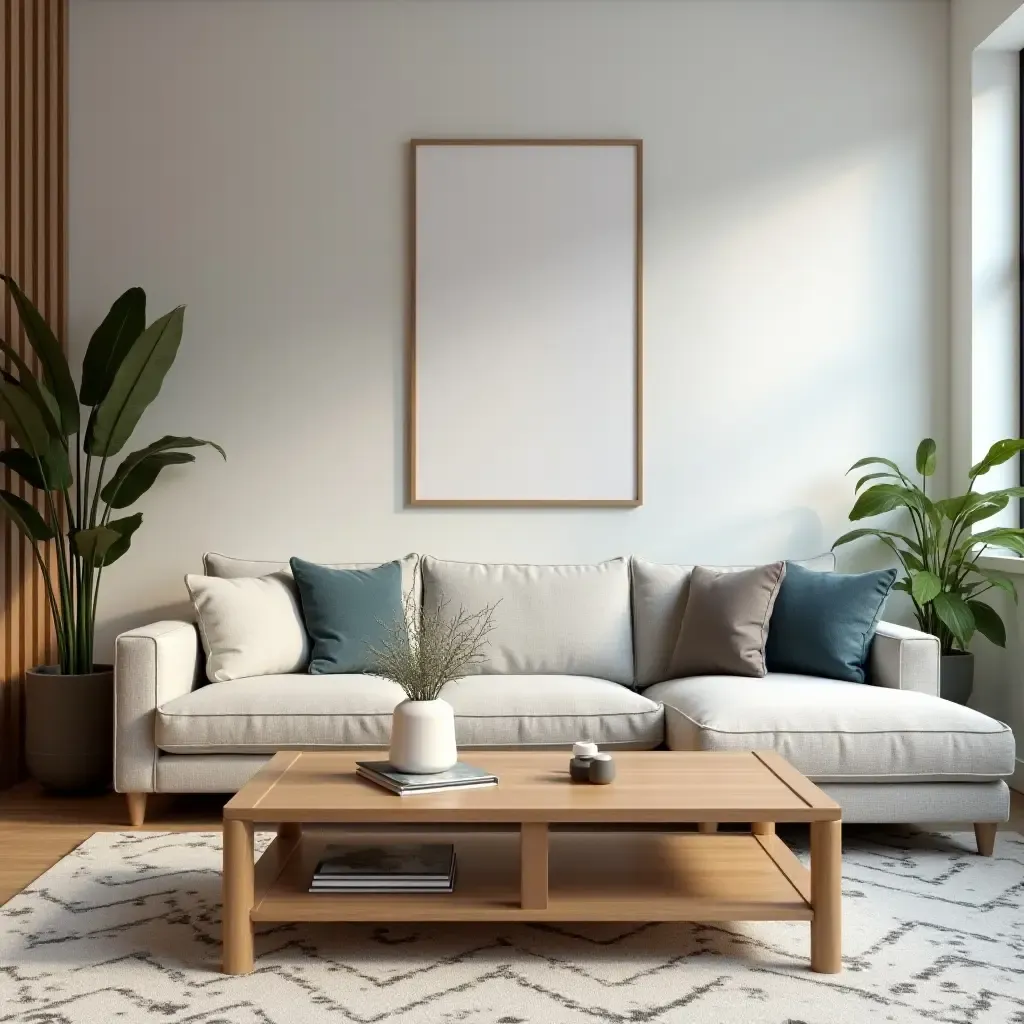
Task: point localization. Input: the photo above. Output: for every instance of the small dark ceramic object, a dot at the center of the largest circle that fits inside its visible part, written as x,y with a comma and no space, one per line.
602,770
579,769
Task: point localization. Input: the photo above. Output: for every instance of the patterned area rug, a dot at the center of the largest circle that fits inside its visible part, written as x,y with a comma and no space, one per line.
127,928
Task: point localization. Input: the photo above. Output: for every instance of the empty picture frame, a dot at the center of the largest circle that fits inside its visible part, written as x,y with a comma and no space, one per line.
524,348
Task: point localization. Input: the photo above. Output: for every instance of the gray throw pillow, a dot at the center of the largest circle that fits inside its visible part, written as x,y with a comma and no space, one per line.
725,624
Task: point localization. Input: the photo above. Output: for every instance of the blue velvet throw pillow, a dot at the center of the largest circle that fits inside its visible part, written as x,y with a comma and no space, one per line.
346,611
823,622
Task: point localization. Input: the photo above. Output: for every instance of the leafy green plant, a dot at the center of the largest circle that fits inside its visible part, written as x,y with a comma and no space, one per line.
124,367
940,555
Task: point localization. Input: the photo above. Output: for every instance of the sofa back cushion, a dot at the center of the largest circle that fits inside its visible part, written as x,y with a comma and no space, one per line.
659,600
551,619
227,568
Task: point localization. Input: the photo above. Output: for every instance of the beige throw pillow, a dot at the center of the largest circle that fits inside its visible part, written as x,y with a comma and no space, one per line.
725,625
249,626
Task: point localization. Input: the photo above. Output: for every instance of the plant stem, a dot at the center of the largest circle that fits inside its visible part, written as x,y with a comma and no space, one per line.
60,622
77,518
83,496
96,493
85,588
61,648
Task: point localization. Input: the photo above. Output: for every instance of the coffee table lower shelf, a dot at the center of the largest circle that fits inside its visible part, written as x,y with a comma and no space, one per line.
602,877
591,877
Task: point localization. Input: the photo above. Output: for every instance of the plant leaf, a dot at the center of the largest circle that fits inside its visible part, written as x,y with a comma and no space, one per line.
127,485
56,472
972,508
93,544
1002,580
172,441
911,560
136,383
132,466
110,343
955,616
17,460
875,460
24,420
1000,452
1005,536
950,508
988,622
925,586
125,528
903,585
56,372
925,458
867,531
25,517
886,497
39,392
873,476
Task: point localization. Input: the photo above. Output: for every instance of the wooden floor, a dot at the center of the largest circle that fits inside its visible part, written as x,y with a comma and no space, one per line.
36,830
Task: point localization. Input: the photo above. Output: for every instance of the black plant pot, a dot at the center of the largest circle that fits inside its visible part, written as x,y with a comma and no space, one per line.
956,676
69,728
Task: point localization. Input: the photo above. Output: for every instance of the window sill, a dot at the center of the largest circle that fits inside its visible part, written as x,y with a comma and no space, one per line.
1003,562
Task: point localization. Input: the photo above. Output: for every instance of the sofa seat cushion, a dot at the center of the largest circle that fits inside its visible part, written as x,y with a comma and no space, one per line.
552,711
268,713
836,731
263,714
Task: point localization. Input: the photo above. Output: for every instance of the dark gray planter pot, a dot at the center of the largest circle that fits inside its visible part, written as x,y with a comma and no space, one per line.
69,728
956,677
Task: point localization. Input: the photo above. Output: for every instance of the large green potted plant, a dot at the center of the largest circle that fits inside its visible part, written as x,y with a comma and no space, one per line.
66,458
940,553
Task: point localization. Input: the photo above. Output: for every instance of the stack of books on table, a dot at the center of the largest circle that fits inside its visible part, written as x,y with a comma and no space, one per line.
462,776
398,868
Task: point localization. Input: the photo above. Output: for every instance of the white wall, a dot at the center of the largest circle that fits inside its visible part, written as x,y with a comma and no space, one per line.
247,159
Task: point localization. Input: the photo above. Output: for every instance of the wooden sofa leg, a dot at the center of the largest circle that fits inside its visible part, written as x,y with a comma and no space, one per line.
136,808
707,826
985,834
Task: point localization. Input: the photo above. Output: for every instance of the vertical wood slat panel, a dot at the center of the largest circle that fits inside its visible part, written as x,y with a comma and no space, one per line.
33,180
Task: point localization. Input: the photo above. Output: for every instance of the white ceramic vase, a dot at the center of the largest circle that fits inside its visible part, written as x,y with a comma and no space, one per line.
423,737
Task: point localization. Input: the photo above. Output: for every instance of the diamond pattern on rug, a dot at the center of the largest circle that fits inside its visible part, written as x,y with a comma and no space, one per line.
127,928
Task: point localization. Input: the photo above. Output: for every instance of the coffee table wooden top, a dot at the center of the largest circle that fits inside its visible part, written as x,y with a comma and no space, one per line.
534,786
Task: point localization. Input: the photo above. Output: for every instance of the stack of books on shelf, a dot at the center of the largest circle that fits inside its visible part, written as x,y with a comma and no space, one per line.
462,776
398,868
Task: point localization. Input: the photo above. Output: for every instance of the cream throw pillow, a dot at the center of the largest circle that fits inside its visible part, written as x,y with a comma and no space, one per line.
249,626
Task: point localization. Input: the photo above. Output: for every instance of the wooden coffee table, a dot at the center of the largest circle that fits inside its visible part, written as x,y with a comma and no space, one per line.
538,847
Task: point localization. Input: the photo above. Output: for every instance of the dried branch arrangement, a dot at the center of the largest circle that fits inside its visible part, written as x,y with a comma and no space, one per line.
423,650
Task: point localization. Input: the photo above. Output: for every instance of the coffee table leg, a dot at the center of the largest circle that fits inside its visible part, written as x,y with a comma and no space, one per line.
533,857
289,830
826,896
762,828
236,925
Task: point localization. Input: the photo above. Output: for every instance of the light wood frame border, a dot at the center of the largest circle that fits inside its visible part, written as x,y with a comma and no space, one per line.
410,349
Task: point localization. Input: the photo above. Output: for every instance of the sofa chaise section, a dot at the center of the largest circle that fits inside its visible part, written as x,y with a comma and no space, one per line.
887,750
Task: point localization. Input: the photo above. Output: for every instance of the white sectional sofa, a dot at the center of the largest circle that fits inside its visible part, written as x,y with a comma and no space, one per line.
580,651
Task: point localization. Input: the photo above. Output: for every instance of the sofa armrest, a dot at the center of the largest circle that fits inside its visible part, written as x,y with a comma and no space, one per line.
904,659
152,665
